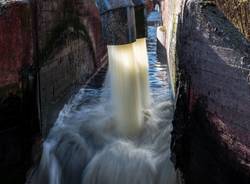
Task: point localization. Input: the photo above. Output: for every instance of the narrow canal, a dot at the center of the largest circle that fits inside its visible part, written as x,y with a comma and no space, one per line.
83,146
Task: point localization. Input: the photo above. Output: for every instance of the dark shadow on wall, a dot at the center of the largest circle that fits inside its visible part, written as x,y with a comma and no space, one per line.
19,127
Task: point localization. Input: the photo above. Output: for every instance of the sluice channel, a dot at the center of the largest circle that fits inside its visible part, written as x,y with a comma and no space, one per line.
124,92
88,144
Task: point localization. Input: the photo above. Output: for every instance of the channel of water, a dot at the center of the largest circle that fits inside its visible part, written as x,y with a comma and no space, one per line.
84,147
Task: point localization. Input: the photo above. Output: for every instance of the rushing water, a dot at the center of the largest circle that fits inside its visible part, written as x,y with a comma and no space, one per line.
84,147
128,72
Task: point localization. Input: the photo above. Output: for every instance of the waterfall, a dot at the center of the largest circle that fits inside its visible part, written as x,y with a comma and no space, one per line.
125,85
128,67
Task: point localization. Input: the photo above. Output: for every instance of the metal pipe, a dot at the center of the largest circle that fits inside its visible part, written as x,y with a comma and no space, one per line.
140,18
118,21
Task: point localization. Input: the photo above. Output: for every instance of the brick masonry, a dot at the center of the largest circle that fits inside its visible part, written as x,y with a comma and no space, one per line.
71,49
48,50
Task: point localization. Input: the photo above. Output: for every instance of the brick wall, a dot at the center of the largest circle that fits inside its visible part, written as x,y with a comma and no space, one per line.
70,50
48,50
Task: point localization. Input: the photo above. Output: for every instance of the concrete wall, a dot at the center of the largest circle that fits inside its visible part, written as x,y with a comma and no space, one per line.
209,64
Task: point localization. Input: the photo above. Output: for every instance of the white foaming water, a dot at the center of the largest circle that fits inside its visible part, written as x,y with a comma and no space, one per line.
84,146
128,67
125,85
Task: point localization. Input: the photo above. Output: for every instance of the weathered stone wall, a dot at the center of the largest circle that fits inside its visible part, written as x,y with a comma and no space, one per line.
67,47
210,65
78,16
70,49
48,49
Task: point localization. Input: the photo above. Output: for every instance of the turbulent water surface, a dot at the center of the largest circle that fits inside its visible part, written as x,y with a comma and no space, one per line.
84,147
